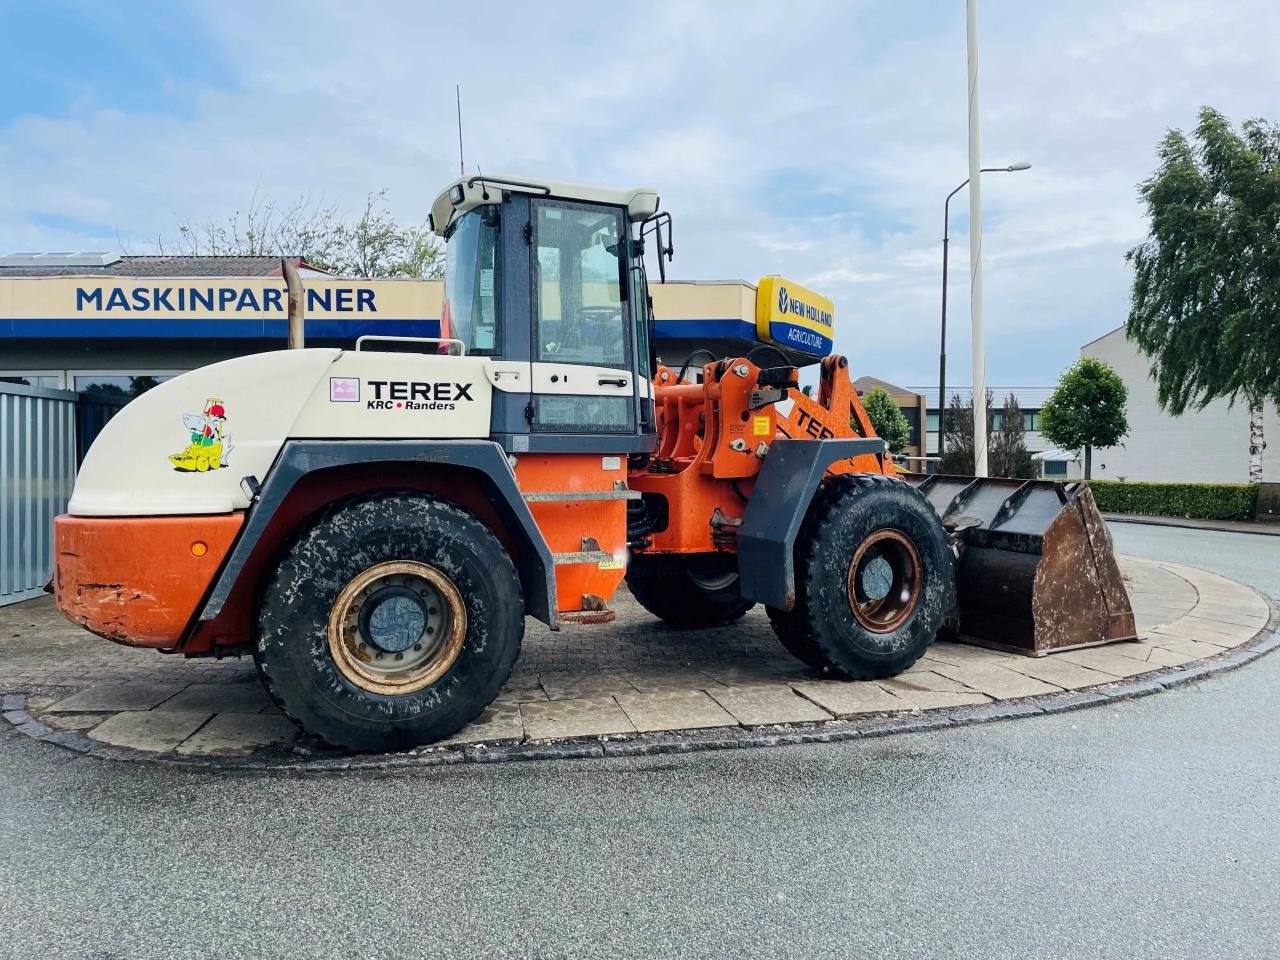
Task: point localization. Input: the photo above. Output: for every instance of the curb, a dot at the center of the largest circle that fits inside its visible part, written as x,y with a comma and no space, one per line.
1258,528
689,741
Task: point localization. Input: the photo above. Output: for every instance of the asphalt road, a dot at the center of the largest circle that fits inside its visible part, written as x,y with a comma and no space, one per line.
1143,829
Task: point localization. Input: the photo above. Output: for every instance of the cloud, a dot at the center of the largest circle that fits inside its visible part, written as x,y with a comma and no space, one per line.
817,141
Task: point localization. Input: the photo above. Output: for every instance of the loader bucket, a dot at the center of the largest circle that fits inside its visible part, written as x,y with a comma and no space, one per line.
1037,571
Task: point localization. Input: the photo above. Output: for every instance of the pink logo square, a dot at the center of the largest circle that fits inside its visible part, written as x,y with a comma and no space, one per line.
344,389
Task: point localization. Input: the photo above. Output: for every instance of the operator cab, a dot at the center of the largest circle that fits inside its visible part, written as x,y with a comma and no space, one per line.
548,279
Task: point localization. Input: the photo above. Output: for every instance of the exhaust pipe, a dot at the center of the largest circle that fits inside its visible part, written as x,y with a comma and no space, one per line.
293,282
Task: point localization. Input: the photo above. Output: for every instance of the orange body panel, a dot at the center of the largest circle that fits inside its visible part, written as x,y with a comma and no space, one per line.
567,523
711,444
137,580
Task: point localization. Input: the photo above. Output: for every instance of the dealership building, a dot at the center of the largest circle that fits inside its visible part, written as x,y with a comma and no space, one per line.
119,324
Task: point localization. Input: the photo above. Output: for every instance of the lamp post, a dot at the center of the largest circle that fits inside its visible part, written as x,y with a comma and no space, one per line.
946,240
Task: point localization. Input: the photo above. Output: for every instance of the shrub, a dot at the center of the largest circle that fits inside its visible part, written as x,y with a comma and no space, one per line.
1204,501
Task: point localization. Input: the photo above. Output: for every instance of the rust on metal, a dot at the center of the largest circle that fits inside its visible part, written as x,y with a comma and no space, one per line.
1036,570
392,670
885,580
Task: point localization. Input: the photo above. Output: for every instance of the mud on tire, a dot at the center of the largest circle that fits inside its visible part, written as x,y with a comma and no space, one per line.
318,618
691,592
875,617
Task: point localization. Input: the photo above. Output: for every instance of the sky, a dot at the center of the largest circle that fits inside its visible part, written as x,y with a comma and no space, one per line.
815,140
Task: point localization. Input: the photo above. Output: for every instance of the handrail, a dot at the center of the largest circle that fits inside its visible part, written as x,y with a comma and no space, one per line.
451,341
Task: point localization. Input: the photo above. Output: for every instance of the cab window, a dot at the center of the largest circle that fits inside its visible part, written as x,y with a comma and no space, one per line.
471,282
579,310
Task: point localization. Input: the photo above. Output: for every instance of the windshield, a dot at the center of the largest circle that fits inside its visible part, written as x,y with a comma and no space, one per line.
471,282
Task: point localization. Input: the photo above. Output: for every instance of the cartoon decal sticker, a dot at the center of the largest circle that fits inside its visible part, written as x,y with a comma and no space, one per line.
209,443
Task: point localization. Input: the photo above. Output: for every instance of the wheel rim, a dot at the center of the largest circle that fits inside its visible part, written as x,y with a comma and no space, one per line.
885,581
711,582
397,627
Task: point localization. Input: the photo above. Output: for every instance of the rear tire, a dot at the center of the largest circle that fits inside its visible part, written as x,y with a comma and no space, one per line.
691,592
391,621
875,578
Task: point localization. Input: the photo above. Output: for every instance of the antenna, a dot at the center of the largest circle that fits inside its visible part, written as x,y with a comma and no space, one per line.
457,90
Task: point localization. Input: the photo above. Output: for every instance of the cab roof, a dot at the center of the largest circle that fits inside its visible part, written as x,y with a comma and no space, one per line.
468,192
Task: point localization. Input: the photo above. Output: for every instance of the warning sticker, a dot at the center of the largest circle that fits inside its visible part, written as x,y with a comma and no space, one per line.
762,427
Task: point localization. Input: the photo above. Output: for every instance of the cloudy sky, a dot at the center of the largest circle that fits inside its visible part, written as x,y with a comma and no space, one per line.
818,143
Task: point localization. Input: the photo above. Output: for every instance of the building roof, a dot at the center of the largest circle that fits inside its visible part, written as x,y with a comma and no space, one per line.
1056,453
1030,398
112,265
867,384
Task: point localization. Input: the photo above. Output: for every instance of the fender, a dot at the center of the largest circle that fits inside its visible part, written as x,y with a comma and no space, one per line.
301,457
784,488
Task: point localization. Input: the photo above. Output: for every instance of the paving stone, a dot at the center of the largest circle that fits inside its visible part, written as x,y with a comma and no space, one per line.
578,686
671,682
149,730
526,695
500,721
765,704
237,734
673,710
111,697
1195,649
1211,631
934,699
1059,672
75,721
584,717
925,680
845,698
220,698
754,675
1150,653
1107,661
995,680
948,652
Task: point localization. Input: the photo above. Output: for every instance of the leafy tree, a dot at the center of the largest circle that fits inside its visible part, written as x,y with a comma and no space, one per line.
1009,456
1086,410
957,436
374,244
1206,287
890,424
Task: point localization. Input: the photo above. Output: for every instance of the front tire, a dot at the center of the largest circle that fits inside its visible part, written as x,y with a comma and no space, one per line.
391,621
875,578
690,592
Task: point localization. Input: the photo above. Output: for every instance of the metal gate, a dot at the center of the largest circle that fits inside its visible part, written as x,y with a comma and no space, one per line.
37,470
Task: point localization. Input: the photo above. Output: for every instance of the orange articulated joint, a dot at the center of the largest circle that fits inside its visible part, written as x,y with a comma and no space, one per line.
138,580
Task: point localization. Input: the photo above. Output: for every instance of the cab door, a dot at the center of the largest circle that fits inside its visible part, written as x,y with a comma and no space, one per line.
584,369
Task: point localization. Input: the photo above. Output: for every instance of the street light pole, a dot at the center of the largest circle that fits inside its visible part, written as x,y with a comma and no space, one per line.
978,345
946,241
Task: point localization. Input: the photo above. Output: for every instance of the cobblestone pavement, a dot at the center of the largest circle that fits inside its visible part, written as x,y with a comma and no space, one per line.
634,676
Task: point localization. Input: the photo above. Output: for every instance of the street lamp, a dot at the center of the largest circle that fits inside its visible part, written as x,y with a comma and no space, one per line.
946,240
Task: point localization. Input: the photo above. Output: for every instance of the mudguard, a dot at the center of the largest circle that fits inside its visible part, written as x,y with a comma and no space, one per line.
301,457
785,486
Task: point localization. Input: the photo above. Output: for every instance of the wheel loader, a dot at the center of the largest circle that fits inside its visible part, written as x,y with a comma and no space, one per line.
382,520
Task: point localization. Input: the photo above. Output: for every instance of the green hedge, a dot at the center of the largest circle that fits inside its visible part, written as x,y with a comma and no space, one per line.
1205,501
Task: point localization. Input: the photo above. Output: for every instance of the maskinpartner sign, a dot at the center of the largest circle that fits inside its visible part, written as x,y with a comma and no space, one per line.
213,307
795,317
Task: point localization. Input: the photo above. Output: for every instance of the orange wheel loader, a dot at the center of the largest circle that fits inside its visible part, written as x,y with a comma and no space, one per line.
375,524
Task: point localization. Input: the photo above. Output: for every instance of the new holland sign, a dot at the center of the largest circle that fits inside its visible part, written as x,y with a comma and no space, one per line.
213,307
794,316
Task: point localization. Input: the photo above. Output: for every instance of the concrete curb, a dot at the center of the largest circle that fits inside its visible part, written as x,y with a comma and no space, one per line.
1257,528
683,741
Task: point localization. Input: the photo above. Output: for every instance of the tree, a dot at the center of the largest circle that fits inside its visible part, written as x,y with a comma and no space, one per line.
1086,410
1206,287
372,245
1009,456
957,436
889,423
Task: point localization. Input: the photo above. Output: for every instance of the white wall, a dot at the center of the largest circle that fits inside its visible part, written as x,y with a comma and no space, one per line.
1206,446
